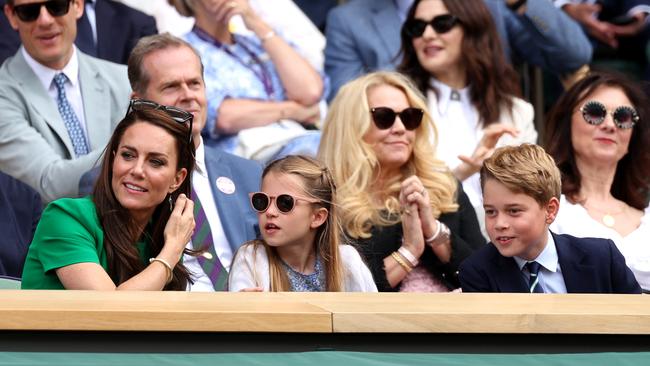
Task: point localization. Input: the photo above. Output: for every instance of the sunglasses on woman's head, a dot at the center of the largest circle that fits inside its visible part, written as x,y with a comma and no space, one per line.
31,12
384,117
177,114
415,28
284,202
594,113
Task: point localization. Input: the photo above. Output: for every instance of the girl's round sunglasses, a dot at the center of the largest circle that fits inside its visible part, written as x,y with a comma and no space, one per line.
384,117
595,112
284,202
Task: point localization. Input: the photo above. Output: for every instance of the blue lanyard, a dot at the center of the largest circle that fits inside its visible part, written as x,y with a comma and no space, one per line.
264,75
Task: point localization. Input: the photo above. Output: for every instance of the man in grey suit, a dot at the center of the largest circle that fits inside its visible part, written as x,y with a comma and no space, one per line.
364,36
167,70
58,106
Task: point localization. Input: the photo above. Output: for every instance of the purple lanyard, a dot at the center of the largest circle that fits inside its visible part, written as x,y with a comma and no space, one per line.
264,75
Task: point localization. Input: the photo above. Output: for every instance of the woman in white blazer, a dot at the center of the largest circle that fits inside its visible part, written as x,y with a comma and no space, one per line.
452,52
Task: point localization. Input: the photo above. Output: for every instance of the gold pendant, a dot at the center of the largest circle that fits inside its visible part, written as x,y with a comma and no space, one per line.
609,220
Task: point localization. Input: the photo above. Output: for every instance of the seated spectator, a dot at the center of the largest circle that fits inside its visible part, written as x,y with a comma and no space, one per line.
131,233
107,30
618,28
58,106
300,247
452,52
599,135
536,33
253,82
521,190
400,205
20,210
220,181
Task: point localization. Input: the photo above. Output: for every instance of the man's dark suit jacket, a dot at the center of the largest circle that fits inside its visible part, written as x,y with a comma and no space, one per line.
119,27
20,210
589,265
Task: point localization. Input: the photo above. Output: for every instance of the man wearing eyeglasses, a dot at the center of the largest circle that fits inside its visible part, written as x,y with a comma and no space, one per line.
58,106
167,70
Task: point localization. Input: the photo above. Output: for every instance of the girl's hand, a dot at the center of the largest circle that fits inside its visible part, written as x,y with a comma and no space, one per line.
180,226
252,289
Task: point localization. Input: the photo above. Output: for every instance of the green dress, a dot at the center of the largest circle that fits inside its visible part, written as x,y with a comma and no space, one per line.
69,232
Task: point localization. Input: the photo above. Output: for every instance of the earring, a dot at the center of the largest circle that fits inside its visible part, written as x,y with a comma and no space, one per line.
171,203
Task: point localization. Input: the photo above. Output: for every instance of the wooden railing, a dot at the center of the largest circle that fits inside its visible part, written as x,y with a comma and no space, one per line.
324,312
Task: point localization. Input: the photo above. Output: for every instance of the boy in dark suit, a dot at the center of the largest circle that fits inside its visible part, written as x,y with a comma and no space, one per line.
521,190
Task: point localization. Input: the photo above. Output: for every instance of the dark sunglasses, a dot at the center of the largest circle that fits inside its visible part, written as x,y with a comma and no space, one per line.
384,117
284,202
31,12
414,28
624,117
177,114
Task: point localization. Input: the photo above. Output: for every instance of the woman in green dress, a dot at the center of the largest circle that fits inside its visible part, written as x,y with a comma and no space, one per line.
131,233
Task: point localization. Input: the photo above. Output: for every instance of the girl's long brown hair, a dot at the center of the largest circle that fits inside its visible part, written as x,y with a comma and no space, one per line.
492,81
319,185
121,232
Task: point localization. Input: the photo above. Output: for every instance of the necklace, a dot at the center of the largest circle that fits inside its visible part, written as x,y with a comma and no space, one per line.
609,218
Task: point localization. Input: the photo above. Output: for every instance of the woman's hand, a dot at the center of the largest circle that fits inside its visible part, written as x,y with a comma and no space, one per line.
226,9
414,192
411,202
179,228
484,149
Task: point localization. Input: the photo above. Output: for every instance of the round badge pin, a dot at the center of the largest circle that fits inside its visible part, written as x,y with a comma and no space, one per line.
226,185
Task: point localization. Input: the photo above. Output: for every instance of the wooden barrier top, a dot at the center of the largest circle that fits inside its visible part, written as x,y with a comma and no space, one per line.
159,311
324,312
486,313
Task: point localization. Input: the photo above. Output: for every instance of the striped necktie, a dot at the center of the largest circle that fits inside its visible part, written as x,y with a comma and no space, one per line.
70,119
202,240
533,280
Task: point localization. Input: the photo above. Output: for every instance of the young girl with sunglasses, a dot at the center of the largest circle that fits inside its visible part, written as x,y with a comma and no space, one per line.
598,135
452,51
300,247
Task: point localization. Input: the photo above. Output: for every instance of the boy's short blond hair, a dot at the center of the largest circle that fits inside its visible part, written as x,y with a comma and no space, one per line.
526,169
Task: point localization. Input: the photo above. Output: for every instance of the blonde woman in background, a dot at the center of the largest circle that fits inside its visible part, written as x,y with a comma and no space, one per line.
404,209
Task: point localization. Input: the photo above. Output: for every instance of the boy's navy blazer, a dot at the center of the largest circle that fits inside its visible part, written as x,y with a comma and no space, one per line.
589,265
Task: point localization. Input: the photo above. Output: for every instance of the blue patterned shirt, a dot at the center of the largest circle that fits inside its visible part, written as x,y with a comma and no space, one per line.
314,282
232,71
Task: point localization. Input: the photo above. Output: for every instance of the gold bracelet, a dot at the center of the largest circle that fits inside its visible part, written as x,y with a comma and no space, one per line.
170,271
401,262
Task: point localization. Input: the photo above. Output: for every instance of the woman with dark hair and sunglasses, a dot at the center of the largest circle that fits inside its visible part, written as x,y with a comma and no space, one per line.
403,208
599,136
299,249
131,233
452,51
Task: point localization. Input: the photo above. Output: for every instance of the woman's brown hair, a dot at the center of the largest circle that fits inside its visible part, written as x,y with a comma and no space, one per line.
121,232
491,79
632,179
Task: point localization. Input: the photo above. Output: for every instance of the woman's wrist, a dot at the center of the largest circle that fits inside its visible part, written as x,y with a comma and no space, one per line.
168,268
409,256
441,236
